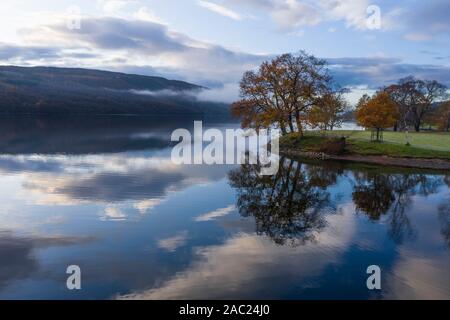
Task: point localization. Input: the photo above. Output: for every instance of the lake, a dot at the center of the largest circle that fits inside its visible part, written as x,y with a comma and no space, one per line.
102,193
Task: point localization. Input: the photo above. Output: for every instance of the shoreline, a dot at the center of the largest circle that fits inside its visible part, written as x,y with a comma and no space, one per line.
421,163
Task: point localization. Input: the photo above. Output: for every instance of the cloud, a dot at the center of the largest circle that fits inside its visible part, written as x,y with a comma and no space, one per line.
8,51
226,93
108,179
289,15
235,268
148,46
162,93
427,21
420,270
292,14
146,14
113,214
114,6
356,92
352,12
171,244
145,205
376,72
111,34
223,11
18,258
151,48
216,213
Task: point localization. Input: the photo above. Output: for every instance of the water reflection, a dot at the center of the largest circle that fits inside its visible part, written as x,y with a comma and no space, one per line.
287,207
103,193
290,206
444,218
376,194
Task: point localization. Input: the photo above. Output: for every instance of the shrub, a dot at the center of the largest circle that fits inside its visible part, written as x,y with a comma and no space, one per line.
334,146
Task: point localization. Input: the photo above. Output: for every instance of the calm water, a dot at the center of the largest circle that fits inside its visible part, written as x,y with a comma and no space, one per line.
104,195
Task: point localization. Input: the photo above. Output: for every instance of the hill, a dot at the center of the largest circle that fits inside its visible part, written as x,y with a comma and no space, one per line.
49,90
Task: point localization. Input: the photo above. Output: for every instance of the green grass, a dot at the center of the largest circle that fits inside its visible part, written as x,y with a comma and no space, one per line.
423,140
424,145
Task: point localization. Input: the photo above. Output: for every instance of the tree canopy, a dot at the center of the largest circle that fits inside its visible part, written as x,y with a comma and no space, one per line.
282,92
414,99
328,113
378,113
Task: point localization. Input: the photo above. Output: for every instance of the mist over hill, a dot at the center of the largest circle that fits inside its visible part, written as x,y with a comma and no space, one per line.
50,90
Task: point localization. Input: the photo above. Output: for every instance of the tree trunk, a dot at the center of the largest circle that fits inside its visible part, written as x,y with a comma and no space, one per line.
300,129
291,125
299,124
417,126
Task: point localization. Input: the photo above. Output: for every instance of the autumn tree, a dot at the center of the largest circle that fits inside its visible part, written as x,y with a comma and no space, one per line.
282,92
328,113
414,99
441,117
377,113
363,100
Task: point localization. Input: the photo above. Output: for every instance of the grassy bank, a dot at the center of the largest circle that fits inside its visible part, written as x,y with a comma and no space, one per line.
423,145
423,140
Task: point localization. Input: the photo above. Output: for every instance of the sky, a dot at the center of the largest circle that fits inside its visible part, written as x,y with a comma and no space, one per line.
368,44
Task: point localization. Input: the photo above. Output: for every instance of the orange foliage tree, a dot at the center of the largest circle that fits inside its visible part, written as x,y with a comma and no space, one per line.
282,92
377,113
441,117
329,112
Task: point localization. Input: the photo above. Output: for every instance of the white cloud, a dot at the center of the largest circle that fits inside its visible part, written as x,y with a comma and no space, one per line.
146,14
145,205
171,244
227,93
216,213
357,92
146,47
113,214
143,44
291,14
352,12
113,6
214,7
236,267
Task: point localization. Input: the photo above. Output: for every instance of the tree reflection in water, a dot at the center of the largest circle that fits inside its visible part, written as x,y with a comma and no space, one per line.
444,216
291,206
444,219
288,207
376,194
